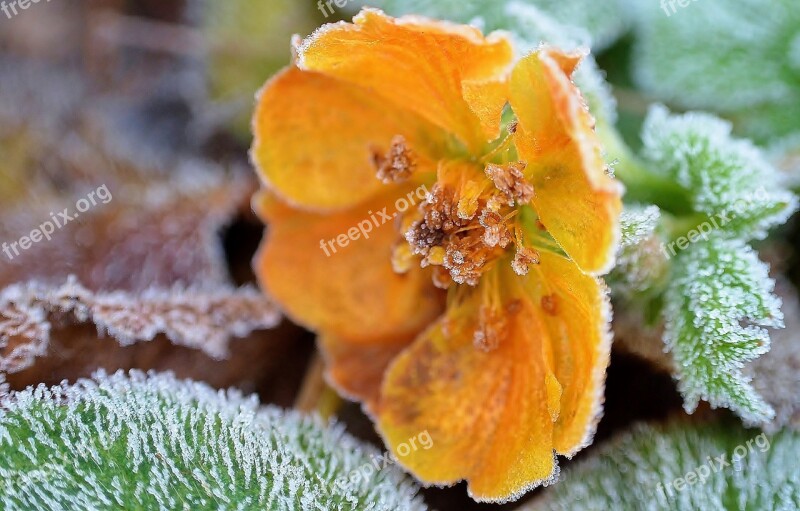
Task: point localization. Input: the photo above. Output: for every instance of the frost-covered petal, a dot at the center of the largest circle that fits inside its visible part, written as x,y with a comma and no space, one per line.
498,416
486,412
576,312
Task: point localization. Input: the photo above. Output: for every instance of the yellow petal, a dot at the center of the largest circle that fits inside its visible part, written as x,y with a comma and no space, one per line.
315,137
352,291
575,310
414,63
487,413
577,201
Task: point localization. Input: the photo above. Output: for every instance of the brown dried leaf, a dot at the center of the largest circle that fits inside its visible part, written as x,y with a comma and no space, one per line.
204,319
140,239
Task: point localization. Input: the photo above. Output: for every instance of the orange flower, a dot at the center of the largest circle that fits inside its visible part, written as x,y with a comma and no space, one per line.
475,317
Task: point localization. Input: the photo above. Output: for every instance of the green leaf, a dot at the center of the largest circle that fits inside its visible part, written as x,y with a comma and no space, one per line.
683,467
641,261
729,180
154,442
740,58
718,306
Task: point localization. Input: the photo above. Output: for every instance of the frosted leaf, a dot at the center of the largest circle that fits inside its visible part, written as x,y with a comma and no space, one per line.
638,223
736,57
647,470
728,179
641,263
601,22
718,306
150,441
200,318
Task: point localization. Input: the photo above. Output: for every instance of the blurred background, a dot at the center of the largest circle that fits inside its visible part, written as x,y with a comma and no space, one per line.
153,99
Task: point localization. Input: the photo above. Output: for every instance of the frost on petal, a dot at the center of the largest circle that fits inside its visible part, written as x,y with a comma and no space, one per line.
718,308
199,318
151,441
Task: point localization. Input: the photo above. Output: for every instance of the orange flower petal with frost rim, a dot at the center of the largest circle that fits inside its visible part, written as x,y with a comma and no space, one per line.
314,137
577,315
356,369
416,64
576,200
498,418
487,413
354,293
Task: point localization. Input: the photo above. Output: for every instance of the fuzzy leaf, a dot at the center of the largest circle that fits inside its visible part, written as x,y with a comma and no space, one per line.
739,57
640,470
638,223
641,263
717,307
154,442
728,179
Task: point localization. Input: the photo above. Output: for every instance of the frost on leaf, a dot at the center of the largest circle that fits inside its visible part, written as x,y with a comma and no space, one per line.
745,64
718,307
150,441
641,263
728,179
639,471
199,318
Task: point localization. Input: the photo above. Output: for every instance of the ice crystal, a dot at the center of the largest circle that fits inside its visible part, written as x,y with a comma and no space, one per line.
150,441
681,466
739,58
638,223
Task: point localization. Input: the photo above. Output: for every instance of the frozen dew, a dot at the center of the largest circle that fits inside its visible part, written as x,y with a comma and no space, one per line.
150,441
